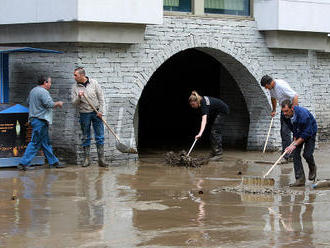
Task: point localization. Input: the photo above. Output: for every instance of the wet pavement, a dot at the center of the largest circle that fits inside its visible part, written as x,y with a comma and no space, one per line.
150,204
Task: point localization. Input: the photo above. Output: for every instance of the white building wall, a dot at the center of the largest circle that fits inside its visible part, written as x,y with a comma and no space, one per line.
293,15
114,11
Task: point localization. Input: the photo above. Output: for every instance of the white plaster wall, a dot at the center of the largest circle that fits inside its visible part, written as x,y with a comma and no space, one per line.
37,11
127,11
116,11
293,15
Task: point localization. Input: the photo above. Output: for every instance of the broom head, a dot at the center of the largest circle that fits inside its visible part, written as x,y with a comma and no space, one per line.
257,181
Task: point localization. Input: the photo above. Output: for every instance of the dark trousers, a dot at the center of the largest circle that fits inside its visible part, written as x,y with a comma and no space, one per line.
286,135
309,146
216,135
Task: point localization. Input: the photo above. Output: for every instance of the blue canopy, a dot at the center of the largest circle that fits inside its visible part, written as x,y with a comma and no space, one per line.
17,108
4,49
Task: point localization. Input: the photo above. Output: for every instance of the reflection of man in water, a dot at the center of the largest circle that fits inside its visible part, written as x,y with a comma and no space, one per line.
40,116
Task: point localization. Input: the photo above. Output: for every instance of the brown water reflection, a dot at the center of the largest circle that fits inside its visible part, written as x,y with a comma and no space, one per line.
150,204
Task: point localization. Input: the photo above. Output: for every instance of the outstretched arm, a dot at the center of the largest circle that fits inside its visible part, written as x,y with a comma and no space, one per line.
274,102
203,124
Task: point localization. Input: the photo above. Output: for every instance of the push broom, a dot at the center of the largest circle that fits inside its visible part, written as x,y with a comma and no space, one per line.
262,181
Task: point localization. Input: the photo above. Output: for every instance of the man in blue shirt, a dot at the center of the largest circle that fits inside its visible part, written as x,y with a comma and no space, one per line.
303,125
40,116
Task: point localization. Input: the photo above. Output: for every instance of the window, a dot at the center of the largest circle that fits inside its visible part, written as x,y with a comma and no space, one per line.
230,7
177,5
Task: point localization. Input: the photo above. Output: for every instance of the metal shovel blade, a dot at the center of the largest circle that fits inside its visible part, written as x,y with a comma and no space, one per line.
124,148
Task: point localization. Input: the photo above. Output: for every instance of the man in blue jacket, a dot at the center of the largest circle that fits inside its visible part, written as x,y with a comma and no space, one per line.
303,125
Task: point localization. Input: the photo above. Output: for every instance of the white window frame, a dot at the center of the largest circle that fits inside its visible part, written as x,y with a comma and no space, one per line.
197,9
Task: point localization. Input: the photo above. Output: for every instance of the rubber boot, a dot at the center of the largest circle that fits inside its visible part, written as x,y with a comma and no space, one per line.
312,172
100,154
217,155
298,183
87,160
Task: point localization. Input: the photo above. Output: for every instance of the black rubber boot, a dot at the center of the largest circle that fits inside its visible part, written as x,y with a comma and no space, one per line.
216,155
312,172
87,160
100,154
298,183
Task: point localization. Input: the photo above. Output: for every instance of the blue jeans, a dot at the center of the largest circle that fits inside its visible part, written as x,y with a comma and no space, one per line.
86,119
39,139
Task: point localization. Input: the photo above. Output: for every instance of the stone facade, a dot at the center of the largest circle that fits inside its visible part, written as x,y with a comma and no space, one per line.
123,70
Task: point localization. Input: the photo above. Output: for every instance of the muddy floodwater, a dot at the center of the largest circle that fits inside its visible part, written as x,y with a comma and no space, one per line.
147,203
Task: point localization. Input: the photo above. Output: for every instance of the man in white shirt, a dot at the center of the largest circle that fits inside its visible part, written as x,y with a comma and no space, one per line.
280,91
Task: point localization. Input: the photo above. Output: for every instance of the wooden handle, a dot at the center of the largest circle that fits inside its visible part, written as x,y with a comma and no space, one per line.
270,127
275,164
285,152
93,107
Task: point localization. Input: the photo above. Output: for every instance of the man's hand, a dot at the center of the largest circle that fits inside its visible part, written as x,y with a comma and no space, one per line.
290,148
273,113
81,93
58,104
99,114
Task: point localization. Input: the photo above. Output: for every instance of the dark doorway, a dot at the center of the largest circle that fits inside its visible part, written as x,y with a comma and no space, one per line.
166,121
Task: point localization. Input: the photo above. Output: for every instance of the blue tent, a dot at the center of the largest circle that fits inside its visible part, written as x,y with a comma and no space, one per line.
4,70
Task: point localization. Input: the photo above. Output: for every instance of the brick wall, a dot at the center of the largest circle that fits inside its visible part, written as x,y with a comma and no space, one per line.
123,70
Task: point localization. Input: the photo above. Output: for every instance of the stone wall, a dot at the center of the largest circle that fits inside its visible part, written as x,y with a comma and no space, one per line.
123,70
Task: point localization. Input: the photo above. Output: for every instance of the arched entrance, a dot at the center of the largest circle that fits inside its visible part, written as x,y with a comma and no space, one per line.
166,121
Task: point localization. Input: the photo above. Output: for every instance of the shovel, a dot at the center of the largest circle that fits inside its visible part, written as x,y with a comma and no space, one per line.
120,146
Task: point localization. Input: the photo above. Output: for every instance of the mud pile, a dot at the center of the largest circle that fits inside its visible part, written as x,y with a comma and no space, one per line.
181,159
260,190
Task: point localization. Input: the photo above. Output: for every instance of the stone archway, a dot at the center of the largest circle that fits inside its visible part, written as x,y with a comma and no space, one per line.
165,118
241,62
248,93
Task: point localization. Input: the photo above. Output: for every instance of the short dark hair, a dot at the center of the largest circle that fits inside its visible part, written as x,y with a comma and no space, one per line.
42,79
80,70
266,80
286,103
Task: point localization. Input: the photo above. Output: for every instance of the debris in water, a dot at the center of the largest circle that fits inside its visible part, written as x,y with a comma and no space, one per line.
259,190
181,159
200,192
321,184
